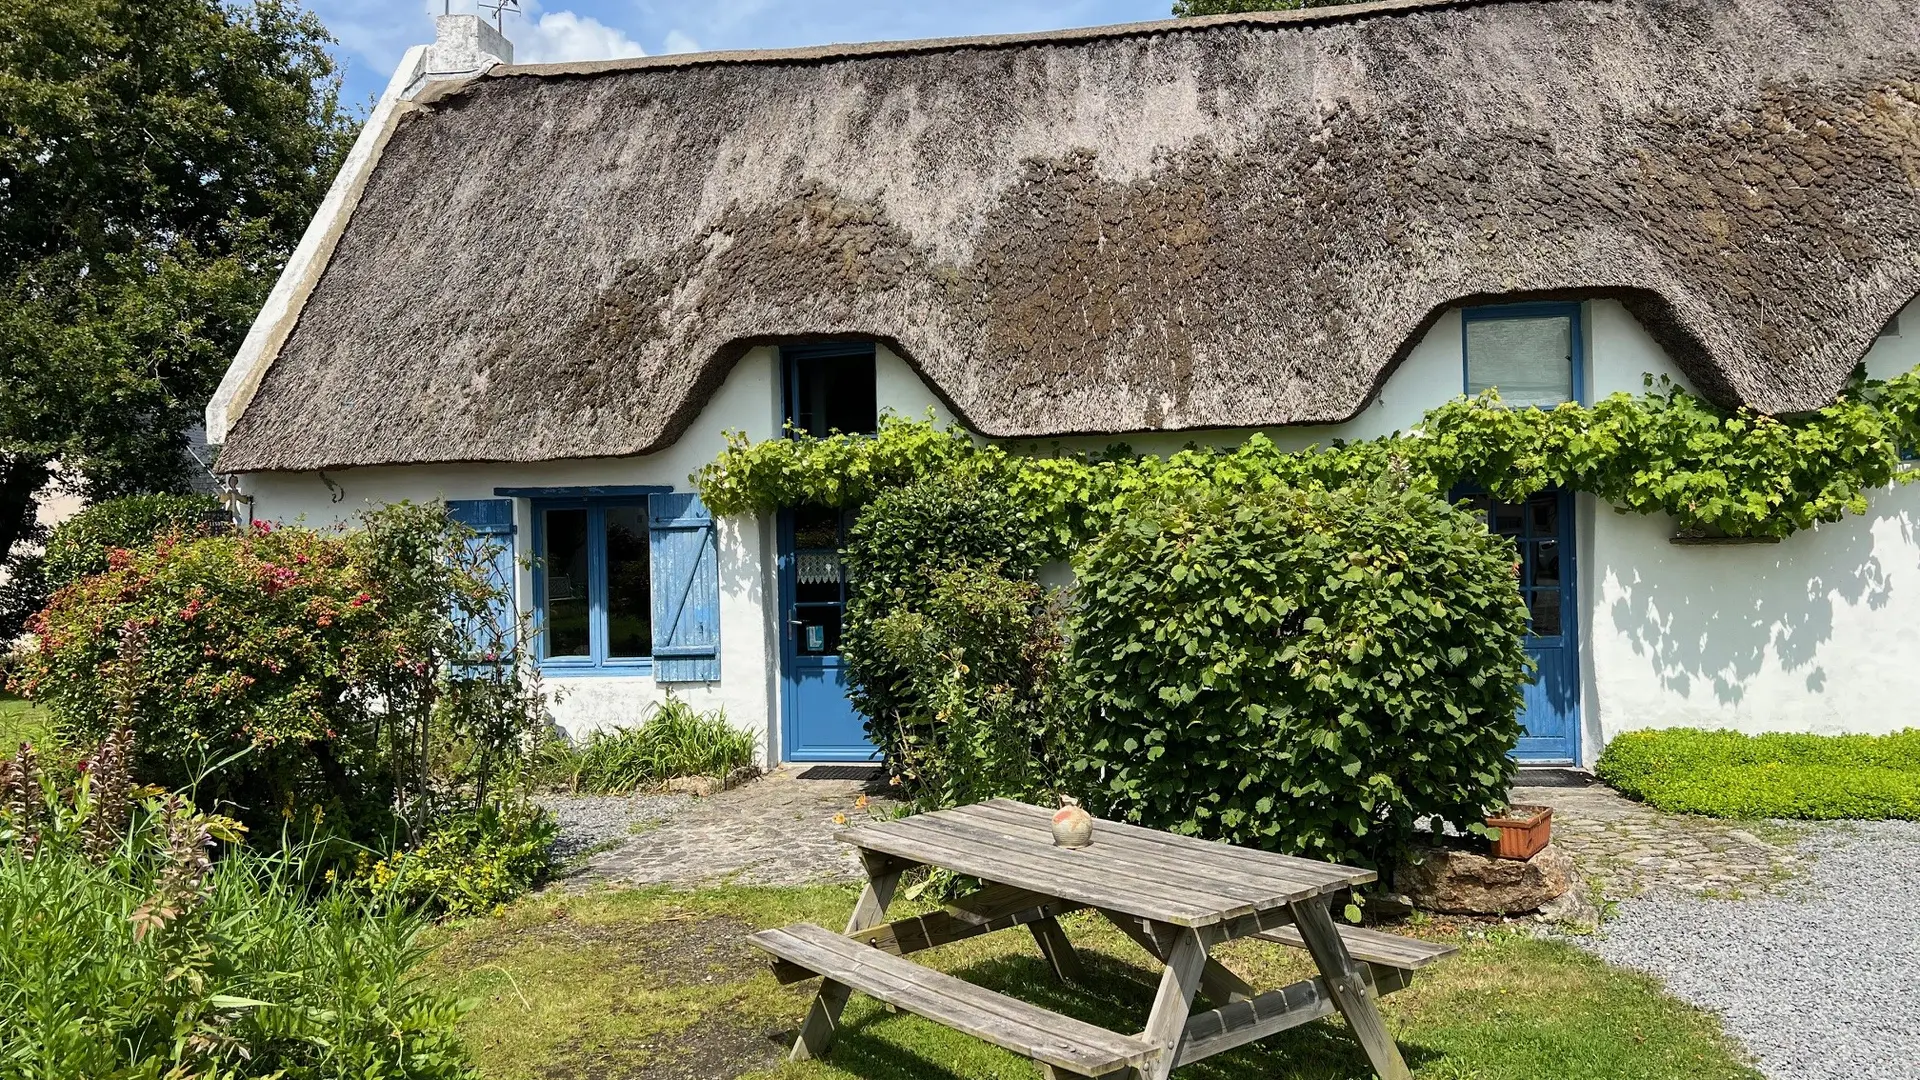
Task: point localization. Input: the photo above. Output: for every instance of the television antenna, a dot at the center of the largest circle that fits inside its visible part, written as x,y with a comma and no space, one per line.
500,9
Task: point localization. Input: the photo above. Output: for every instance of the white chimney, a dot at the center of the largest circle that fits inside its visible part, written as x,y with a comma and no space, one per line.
463,45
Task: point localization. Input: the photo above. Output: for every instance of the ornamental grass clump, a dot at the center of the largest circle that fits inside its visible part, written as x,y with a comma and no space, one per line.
1305,670
673,740
140,941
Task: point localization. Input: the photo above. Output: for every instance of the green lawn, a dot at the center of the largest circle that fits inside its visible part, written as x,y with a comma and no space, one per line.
659,984
21,722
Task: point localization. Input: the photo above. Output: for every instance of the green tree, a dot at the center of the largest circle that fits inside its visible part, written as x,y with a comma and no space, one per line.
158,161
1188,8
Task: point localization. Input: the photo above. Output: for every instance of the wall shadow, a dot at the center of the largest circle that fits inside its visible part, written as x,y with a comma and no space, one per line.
1710,618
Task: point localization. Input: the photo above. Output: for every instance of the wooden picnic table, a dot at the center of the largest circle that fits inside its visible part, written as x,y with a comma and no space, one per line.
1176,896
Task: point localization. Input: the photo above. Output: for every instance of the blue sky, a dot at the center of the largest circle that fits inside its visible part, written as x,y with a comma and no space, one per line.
373,33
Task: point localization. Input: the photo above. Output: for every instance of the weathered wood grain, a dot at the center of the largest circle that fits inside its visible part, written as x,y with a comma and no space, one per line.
1059,1041
1373,946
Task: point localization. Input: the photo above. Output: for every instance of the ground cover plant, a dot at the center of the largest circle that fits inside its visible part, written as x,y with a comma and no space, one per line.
673,740
660,983
1733,775
140,940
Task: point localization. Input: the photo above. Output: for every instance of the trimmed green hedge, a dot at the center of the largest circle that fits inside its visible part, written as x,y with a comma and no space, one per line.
1727,774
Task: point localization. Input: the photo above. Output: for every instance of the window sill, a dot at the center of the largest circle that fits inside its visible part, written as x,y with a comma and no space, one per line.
635,669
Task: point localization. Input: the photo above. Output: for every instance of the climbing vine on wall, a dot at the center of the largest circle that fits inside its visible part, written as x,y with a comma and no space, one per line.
1737,472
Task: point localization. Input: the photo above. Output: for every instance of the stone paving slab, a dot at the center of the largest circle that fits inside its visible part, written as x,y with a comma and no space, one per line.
1629,849
778,830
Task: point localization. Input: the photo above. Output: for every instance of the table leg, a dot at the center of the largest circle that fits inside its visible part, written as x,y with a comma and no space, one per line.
1350,986
817,1031
1056,948
1186,959
1217,981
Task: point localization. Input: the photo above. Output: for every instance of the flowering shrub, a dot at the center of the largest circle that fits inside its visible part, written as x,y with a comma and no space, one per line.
317,666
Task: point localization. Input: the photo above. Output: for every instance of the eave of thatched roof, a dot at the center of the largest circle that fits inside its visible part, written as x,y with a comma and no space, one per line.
1232,222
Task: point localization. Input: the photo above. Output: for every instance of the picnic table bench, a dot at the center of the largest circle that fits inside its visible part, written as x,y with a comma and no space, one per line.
1176,896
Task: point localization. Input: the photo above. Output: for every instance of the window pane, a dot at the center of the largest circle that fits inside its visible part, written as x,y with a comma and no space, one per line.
566,572
836,393
1545,606
629,583
817,630
1546,563
1545,511
1506,519
1530,360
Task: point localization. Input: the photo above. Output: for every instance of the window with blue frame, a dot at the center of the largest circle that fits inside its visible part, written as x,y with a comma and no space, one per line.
1530,352
626,582
594,582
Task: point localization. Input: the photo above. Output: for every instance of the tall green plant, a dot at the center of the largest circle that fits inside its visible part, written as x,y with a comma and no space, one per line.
963,516
1308,671
128,953
982,711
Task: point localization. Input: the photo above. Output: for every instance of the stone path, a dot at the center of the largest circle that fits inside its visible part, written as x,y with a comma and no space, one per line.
1629,849
778,830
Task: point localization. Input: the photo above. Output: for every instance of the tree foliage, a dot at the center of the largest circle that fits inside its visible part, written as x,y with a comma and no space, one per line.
159,159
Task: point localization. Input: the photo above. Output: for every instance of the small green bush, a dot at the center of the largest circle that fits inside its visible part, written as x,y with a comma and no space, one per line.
983,713
128,953
471,863
944,521
1307,671
80,545
673,740
1729,774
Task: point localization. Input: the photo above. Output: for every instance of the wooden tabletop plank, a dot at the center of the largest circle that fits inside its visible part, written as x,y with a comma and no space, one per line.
986,845
1220,865
1052,875
1336,875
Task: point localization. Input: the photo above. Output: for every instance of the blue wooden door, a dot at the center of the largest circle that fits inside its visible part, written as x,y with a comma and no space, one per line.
1542,529
819,723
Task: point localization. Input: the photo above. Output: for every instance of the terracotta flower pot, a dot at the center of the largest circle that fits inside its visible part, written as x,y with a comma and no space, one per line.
1524,830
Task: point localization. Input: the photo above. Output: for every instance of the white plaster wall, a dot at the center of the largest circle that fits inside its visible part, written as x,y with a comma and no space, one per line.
1812,634
748,401
1815,633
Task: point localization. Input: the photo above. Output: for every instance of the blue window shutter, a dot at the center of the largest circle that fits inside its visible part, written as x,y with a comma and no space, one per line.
492,520
686,589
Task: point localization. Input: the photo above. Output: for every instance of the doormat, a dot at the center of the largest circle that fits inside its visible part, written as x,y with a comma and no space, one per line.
841,772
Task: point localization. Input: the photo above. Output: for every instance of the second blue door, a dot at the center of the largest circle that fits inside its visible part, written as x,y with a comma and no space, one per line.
1542,529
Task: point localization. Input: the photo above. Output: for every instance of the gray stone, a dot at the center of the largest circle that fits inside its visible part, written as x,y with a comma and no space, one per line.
1455,882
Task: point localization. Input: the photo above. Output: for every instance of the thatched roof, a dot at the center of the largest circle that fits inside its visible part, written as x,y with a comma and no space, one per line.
1228,222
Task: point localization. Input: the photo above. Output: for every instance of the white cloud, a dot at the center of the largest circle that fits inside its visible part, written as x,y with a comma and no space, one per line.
559,36
680,42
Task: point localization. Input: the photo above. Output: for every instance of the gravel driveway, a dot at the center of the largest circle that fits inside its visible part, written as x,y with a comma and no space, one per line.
1818,980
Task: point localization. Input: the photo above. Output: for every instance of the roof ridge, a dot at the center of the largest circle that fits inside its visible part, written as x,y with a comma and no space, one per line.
1311,16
